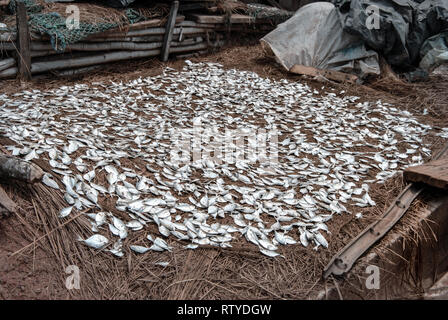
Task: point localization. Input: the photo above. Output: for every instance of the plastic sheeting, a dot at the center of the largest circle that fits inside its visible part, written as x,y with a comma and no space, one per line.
314,37
434,52
118,3
404,25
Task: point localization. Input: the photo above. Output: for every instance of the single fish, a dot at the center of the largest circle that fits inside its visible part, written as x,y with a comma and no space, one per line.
96,241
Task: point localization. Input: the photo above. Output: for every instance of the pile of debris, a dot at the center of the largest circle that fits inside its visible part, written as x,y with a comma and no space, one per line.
57,42
351,35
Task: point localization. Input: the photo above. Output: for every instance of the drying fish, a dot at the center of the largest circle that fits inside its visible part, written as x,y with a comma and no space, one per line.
32,155
321,240
49,182
155,247
162,264
315,174
139,249
65,212
134,225
162,244
114,230
72,147
100,218
117,249
68,198
269,253
184,207
284,239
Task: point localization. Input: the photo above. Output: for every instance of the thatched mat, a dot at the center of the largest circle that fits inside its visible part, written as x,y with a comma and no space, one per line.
206,273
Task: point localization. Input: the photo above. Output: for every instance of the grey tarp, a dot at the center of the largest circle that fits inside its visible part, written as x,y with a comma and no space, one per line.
403,26
314,37
434,52
118,3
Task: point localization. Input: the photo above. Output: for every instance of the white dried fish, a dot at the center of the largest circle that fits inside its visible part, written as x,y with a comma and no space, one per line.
96,241
65,212
139,249
49,182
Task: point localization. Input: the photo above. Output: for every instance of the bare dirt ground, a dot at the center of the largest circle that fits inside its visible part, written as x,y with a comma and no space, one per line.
35,248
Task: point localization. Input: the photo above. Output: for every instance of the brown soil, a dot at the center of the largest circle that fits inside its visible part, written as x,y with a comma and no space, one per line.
47,247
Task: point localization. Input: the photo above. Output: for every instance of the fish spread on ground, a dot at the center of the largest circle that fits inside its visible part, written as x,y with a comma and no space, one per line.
116,141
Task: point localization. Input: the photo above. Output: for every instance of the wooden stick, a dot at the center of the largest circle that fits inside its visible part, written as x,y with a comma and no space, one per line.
8,73
23,42
328,74
189,23
43,53
72,72
7,63
92,60
157,38
150,32
104,46
169,31
150,38
39,67
8,46
109,46
234,18
140,25
8,36
15,168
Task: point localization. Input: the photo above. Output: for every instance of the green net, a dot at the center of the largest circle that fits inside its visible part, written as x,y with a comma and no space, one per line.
275,15
55,26
30,5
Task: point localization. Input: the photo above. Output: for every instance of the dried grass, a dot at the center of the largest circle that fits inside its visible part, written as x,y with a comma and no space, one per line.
210,273
96,13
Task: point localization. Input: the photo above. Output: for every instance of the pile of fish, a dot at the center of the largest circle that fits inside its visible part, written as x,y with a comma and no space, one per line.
112,142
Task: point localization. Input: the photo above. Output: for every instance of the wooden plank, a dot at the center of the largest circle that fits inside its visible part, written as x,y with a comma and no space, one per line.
147,32
133,27
23,43
328,74
148,24
433,173
169,31
7,63
342,262
234,18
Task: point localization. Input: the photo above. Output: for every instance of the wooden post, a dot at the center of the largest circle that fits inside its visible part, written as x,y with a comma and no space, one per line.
169,31
23,42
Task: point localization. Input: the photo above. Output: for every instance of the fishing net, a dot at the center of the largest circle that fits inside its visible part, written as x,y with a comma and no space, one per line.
55,26
30,5
275,15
